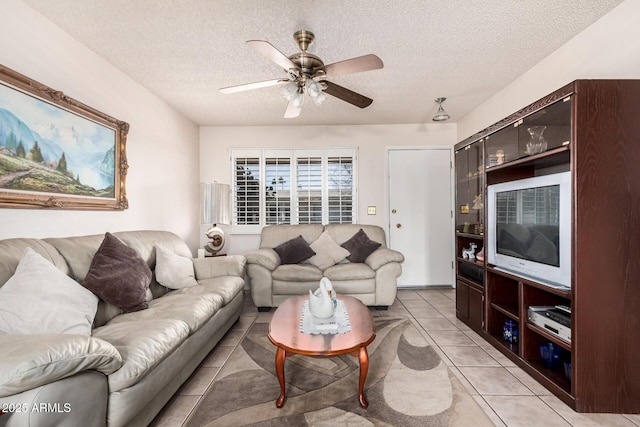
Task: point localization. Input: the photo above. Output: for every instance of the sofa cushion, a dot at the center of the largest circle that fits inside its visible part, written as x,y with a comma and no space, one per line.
194,310
353,271
172,270
343,232
12,251
273,235
41,299
118,275
297,273
142,345
29,361
328,252
360,246
294,251
226,287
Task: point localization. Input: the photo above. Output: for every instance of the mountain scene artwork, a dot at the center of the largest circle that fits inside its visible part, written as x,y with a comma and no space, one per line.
47,149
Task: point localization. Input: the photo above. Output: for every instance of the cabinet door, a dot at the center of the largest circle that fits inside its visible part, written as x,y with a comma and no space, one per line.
538,132
462,300
476,308
469,193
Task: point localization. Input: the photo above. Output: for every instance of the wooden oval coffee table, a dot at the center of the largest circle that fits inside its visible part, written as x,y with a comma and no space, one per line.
284,333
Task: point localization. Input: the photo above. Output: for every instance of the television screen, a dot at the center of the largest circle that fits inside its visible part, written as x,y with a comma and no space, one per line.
527,224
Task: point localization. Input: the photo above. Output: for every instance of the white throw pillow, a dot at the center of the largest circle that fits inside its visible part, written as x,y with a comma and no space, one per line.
40,299
328,252
172,270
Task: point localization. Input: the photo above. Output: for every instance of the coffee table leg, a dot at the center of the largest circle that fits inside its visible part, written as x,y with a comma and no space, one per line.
280,357
364,368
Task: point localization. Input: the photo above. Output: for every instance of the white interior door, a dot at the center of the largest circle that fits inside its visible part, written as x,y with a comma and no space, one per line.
421,223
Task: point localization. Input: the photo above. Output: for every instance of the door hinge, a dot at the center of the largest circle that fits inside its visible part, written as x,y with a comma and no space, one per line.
452,264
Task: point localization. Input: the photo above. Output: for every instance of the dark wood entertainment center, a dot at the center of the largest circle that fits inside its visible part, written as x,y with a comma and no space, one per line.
592,130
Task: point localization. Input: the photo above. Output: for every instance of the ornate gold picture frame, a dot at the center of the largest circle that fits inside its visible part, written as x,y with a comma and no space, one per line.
56,152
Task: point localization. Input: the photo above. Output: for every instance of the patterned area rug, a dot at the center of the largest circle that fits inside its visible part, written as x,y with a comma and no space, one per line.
407,385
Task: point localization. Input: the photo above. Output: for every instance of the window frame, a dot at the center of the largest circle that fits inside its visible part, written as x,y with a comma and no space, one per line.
262,154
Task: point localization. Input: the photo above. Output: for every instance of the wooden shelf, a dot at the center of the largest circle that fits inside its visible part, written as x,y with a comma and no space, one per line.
472,262
554,157
538,330
509,310
512,348
556,375
564,293
469,235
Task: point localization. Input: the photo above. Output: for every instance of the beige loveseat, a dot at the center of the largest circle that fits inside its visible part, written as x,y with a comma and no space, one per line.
373,281
131,364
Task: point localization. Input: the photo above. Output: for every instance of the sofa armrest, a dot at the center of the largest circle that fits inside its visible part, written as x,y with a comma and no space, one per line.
266,257
383,256
29,361
231,265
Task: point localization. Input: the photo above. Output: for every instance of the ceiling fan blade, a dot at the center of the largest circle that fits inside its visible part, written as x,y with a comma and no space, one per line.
347,95
270,52
292,111
251,86
353,65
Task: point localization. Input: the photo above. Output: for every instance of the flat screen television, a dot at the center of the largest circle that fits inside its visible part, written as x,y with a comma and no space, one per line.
529,228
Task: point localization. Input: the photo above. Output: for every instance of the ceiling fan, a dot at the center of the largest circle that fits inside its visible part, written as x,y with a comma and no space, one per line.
307,74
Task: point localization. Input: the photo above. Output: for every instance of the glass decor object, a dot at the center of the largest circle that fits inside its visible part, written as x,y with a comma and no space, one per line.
510,331
537,143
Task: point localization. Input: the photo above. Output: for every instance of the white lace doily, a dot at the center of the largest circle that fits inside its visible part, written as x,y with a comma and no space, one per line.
312,325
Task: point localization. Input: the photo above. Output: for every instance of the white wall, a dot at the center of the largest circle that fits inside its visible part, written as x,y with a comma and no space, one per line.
608,49
371,141
162,145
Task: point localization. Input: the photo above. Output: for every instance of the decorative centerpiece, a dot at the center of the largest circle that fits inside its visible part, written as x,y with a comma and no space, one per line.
537,143
321,301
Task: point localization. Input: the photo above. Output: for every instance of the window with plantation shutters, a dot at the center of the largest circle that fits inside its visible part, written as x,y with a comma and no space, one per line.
277,190
246,189
293,187
340,189
309,189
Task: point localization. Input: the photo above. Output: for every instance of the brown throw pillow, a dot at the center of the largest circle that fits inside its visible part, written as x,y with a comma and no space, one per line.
360,246
293,251
118,275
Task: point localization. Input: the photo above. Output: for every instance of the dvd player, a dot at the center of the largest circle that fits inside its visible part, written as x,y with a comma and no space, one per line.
538,316
559,316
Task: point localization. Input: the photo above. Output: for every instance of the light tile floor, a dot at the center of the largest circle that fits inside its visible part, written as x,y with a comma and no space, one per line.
508,395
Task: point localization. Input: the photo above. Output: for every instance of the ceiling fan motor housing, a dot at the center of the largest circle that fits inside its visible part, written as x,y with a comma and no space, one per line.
304,39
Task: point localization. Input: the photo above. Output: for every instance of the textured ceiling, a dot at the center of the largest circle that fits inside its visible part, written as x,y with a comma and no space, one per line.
184,51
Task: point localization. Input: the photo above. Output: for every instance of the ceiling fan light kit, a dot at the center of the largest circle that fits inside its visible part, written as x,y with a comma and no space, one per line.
308,75
441,115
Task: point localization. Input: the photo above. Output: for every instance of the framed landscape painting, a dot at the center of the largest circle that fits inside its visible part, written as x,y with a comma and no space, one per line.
56,152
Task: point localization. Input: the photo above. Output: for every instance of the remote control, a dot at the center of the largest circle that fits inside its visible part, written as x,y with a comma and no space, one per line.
564,309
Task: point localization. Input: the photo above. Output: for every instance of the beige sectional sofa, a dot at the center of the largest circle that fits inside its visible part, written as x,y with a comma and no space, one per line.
131,364
372,281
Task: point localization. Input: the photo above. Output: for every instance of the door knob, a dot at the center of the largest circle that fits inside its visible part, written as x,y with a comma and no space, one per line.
398,225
